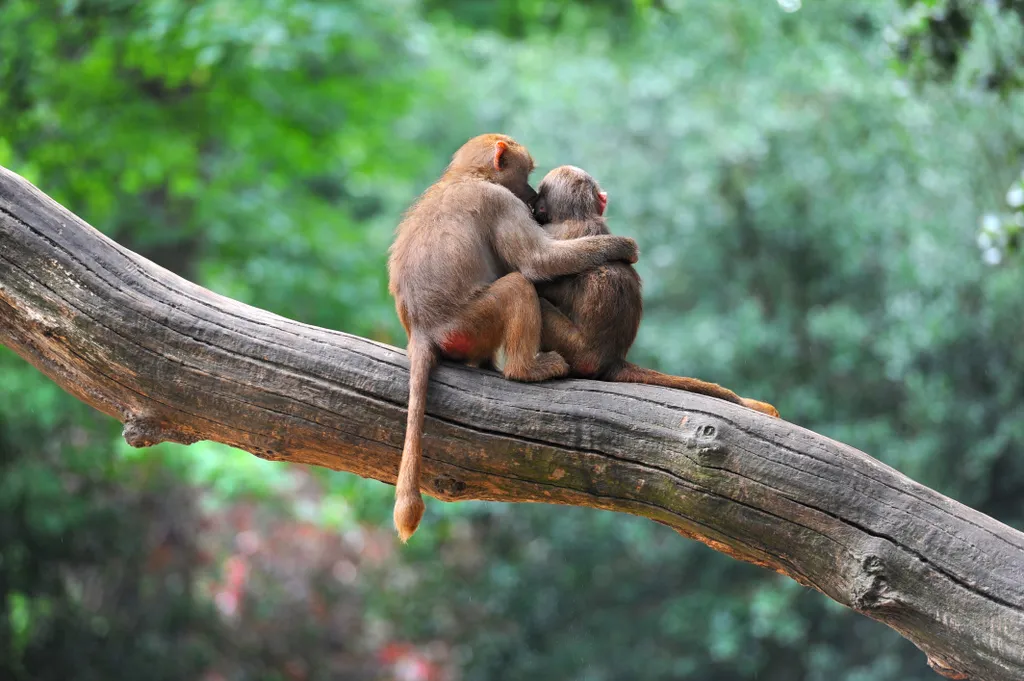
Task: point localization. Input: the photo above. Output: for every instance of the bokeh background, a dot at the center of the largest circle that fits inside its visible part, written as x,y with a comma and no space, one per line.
827,199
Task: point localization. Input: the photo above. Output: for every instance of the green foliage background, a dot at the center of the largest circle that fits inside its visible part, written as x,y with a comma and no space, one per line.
810,191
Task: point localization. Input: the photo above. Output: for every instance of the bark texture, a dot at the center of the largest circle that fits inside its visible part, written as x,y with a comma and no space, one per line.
176,362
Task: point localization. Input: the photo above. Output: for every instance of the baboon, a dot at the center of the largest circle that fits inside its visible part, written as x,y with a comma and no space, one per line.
591,319
462,270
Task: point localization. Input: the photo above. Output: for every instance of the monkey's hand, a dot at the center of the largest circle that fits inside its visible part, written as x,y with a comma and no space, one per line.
619,248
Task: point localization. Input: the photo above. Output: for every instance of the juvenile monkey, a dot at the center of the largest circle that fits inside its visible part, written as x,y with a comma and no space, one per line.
592,319
461,270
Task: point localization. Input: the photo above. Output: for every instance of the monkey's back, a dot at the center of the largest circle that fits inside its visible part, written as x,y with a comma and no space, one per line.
441,257
605,303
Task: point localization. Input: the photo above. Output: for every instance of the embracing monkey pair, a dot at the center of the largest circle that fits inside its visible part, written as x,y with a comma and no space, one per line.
468,261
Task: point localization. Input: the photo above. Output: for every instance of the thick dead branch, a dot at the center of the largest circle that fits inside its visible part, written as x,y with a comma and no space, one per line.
176,362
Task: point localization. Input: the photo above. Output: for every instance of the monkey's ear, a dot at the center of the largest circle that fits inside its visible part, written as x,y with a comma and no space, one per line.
499,155
602,202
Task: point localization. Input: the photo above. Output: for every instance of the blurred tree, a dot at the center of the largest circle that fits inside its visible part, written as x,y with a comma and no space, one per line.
520,18
807,222
973,45
239,144
979,42
227,140
98,561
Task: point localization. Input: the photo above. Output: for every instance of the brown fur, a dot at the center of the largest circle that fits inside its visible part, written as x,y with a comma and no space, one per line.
462,269
592,319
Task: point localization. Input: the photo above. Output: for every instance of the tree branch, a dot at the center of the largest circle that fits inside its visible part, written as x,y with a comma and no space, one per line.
176,362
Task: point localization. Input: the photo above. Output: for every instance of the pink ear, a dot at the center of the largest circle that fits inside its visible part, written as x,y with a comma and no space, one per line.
602,202
499,149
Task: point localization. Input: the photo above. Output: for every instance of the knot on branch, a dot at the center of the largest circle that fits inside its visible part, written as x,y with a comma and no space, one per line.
706,440
448,487
146,431
277,452
871,587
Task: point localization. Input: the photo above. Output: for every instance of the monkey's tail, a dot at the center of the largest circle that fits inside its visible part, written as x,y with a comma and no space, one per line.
409,505
631,373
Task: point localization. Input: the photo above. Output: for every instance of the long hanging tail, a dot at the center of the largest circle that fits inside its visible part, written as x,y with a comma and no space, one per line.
631,373
408,502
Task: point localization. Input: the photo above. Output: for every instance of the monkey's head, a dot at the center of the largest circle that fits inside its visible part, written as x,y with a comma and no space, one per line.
498,159
568,193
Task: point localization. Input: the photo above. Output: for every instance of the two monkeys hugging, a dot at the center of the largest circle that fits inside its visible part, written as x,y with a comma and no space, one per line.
482,262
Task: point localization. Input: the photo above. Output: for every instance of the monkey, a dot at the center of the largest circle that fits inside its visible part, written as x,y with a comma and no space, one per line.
462,269
591,319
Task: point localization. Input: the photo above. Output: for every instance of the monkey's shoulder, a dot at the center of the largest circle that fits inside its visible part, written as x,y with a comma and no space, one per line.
480,194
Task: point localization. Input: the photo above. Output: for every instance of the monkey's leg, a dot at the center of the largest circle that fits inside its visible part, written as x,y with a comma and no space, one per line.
560,334
507,315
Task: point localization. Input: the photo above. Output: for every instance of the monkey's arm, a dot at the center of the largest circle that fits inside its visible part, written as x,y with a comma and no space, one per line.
575,229
524,246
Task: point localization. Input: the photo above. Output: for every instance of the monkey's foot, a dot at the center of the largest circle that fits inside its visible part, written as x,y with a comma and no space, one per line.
545,365
762,407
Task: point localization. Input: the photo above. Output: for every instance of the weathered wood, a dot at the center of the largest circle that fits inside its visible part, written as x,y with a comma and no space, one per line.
176,362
